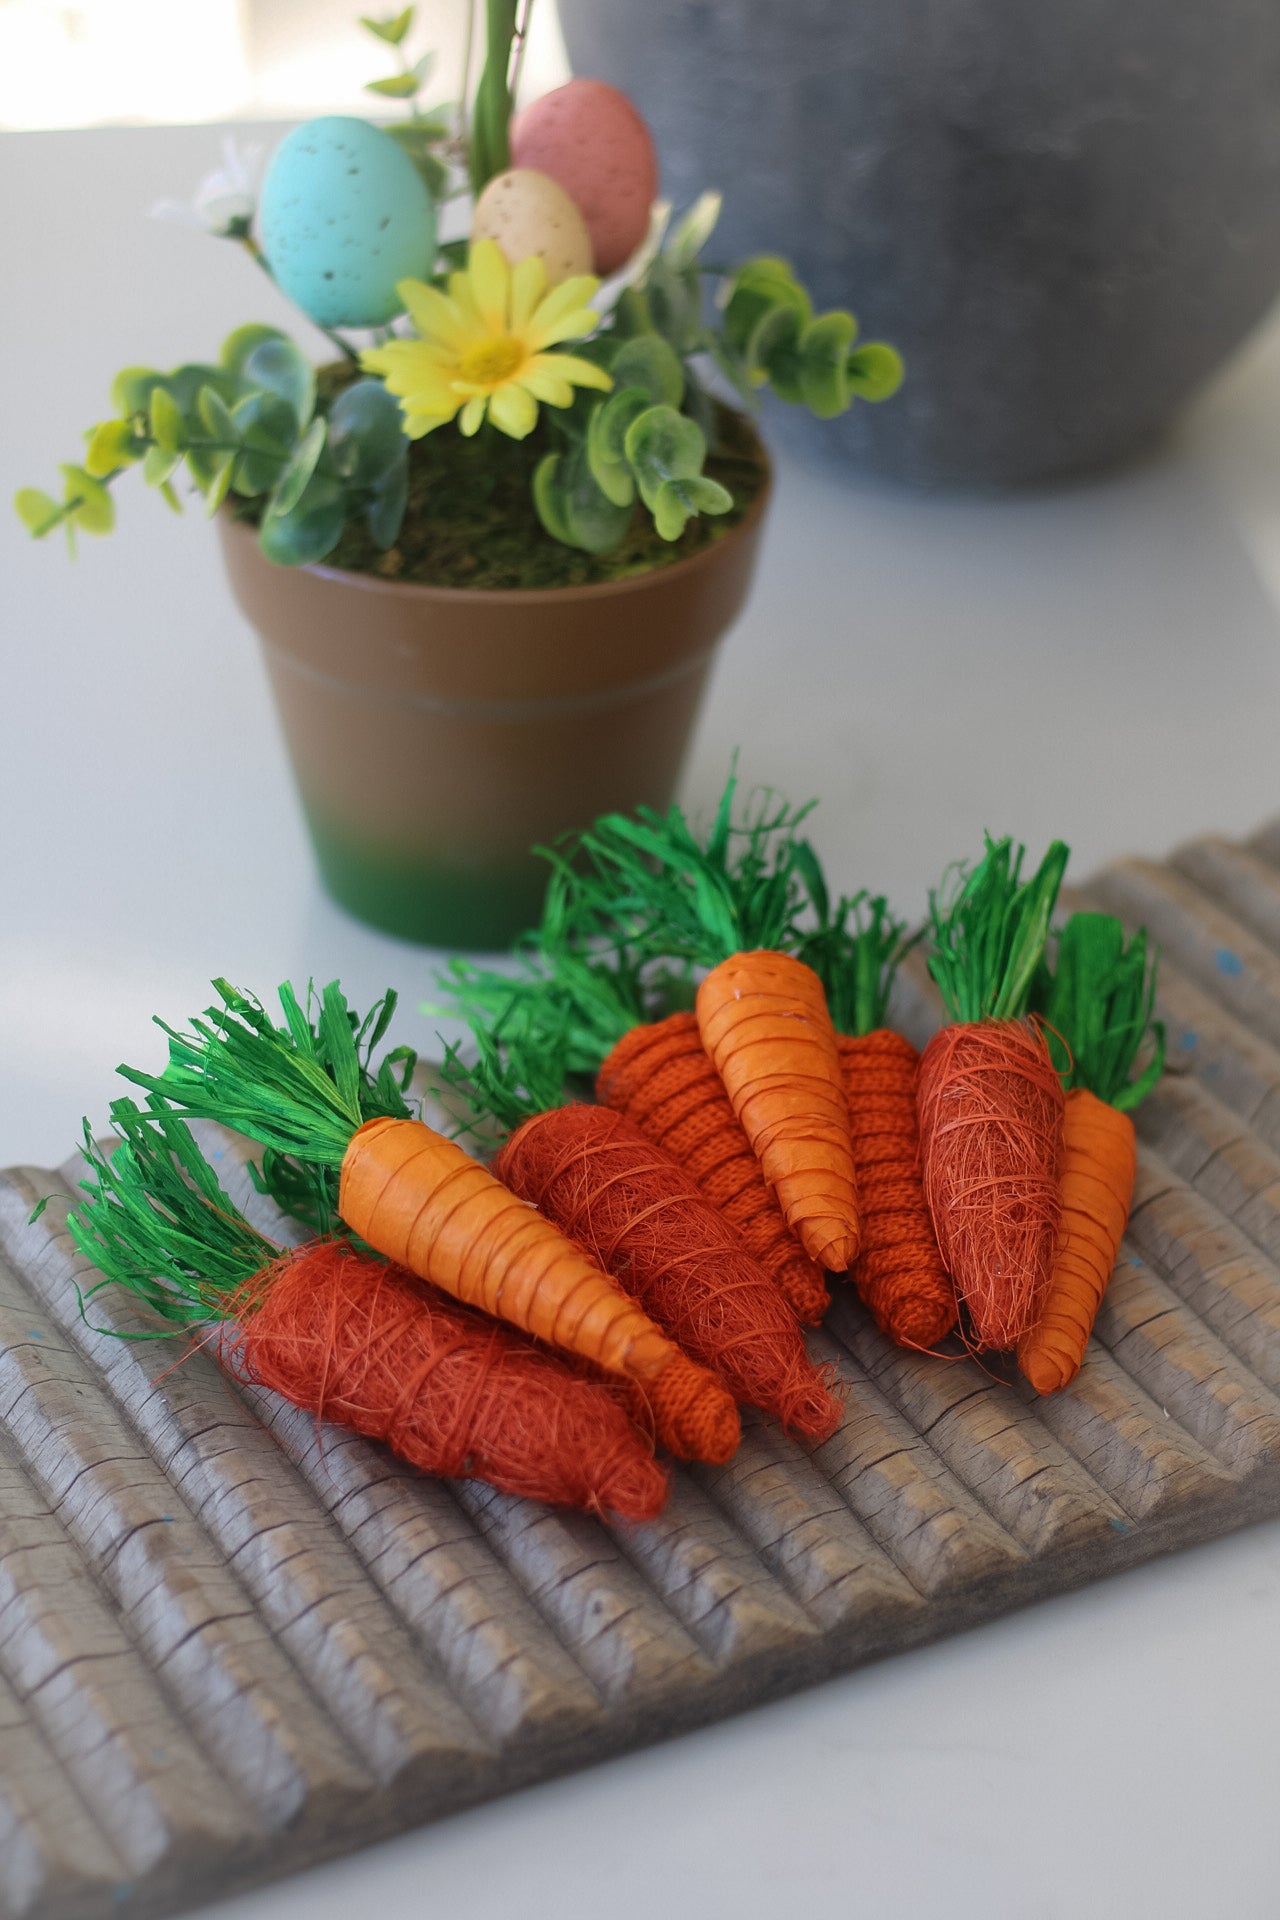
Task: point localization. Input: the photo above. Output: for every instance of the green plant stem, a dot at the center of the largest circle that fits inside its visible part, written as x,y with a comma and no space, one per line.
468,44
521,44
259,259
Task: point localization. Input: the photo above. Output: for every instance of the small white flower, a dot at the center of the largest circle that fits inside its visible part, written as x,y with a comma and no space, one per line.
225,200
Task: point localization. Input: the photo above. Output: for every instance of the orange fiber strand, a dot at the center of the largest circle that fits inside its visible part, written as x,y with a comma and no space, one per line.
663,1079
353,1340
899,1273
640,1215
1098,1167
425,1204
991,1108
764,1021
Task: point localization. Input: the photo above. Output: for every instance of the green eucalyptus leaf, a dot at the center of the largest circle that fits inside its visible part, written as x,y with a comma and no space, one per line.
393,29
93,508
168,429
366,436
606,443
573,508
132,388
875,371
650,363
217,417
774,353
387,504
202,466
296,478
237,346
676,502
310,531
39,512
663,445
169,495
282,368
396,86
157,466
112,445
824,358
268,430
758,286
185,384
219,484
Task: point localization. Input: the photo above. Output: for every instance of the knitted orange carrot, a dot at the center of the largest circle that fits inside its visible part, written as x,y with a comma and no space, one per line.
989,1101
1098,1016
351,1339
343,1146
899,1272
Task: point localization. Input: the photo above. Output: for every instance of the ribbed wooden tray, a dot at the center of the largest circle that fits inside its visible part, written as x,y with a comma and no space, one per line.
233,1643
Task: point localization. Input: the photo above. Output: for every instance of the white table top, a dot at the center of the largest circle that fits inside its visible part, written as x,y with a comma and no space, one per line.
1100,662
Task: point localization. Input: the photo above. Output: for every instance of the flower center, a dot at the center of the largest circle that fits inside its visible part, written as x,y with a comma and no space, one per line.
490,362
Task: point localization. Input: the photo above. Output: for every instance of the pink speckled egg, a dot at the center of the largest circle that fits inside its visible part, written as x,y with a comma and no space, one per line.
589,138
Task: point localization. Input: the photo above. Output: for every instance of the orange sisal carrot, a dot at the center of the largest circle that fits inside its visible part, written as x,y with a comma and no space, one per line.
899,1273
421,1201
662,1078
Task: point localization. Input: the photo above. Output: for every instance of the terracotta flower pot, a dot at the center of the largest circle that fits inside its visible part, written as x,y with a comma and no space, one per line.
437,733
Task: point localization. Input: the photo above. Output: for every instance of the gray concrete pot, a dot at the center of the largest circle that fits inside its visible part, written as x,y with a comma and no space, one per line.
1064,216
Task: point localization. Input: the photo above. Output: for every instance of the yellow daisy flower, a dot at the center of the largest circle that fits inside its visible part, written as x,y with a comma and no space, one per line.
484,346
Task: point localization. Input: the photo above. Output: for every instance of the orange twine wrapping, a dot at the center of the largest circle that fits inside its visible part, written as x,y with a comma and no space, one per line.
639,1215
991,1111
662,1077
899,1272
352,1339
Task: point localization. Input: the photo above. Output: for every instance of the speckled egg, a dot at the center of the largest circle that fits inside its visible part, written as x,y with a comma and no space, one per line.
590,140
344,214
526,213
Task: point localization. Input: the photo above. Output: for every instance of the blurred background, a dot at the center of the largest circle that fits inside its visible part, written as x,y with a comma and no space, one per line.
95,63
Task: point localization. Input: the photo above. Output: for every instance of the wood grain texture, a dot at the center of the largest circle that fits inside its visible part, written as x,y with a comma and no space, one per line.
234,1642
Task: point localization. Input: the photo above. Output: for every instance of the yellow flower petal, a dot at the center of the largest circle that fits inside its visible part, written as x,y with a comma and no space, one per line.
472,414
551,388
416,425
528,284
490,278
434,314
574,326
569,366
571,296
463,297
514,411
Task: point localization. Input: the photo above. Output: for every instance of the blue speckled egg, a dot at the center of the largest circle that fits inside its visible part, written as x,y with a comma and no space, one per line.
344,214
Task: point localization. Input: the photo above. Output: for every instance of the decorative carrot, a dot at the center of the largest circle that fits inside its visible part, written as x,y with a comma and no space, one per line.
761,1012
899,1273
349,1338
582,1006
638,1213
990,1103
1098,1018
343,1147
660,1075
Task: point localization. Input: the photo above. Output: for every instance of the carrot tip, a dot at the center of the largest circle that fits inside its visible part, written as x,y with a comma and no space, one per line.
694,1416
804,1292
830,1244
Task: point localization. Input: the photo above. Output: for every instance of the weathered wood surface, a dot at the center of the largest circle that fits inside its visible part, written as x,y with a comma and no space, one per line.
233,1642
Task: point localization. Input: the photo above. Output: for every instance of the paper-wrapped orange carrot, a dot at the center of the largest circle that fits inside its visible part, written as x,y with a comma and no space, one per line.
1098,1020
352,1339
990,1102
343,1147
899,1274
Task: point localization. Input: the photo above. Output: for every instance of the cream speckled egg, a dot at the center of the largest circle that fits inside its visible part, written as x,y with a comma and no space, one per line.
527,213
590,139
344,215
